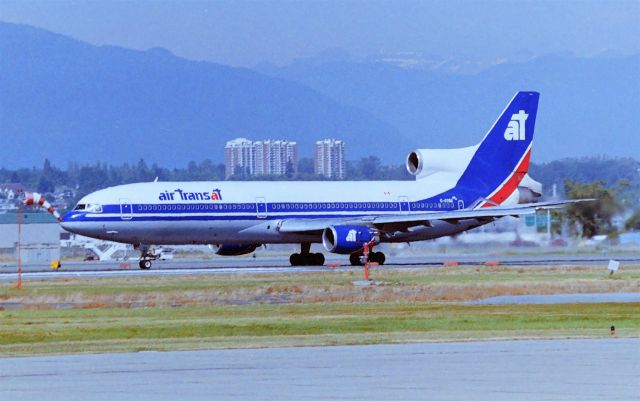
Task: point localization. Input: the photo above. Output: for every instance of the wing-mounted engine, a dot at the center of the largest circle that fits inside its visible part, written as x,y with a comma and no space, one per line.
423,163
347,239
234,249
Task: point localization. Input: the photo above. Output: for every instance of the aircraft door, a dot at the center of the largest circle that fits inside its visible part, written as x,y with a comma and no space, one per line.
261,208
404,204
126,211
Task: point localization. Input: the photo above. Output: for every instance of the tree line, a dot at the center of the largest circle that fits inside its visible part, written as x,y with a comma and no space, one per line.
91,177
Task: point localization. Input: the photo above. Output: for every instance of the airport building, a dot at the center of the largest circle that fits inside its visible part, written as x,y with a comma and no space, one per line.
329,159
268,157
40,238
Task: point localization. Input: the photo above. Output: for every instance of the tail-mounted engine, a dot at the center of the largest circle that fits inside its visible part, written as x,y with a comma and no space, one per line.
529,190
425,162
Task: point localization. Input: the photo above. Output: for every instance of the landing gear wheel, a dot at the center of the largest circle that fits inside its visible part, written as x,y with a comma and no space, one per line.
306,259
318,259
354,258
377,257
145,264
295,259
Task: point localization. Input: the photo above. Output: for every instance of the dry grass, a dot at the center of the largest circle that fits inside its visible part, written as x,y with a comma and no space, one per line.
196,312
453,284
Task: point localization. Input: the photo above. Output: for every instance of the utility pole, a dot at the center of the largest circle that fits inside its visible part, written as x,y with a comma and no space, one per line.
19,284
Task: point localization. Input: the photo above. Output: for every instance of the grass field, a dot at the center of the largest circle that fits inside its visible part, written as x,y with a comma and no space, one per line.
195,312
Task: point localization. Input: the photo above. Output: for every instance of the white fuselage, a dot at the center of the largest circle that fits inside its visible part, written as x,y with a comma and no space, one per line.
250,212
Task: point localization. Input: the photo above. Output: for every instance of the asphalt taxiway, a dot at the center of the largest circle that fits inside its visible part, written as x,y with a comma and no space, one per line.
604,369
279,264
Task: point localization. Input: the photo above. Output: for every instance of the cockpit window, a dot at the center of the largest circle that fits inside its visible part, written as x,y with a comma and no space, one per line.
89,207
94,208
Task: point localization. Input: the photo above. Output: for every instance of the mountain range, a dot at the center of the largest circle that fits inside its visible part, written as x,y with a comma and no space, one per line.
588,106
70,101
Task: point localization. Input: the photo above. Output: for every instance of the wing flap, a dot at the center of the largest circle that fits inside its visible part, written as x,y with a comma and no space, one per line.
311,225
487,212
397,222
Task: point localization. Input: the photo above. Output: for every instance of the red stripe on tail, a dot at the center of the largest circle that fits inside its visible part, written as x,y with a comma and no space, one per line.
512,183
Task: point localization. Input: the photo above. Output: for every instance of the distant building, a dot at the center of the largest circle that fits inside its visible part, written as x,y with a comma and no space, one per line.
329,159
12,190
39,242
274,157
268,157
239,157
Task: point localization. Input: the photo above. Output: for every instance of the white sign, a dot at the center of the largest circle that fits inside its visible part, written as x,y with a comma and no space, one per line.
614,265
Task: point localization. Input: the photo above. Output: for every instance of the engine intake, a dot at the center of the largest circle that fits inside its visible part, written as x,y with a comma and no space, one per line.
234,249
347,239
414,162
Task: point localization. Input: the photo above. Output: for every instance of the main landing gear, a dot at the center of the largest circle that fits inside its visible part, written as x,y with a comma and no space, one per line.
305,258
356,259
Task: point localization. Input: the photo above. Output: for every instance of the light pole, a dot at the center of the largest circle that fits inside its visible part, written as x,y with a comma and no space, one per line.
19,284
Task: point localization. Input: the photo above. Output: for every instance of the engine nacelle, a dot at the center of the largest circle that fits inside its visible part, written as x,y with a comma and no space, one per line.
234,249
425,162
526,195
347,239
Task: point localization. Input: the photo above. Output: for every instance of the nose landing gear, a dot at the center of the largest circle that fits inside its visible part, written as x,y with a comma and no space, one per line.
146,256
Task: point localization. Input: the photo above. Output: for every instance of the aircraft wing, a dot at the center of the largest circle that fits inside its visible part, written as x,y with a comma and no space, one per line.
402,221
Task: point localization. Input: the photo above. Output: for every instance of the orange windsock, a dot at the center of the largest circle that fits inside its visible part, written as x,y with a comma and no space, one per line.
36,199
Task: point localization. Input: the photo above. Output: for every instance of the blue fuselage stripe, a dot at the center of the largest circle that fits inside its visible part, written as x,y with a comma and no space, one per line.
251,211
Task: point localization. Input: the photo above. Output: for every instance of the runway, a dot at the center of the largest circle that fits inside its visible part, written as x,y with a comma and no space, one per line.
279,264
606,369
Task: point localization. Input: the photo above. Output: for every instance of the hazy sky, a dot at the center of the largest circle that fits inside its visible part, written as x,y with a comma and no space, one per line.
245,33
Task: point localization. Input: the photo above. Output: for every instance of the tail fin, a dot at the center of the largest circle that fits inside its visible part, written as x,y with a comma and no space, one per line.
502,158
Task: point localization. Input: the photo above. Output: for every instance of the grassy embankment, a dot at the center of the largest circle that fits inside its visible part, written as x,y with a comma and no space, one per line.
128,314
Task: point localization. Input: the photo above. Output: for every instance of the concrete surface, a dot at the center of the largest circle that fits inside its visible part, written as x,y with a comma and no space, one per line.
606,369
589,298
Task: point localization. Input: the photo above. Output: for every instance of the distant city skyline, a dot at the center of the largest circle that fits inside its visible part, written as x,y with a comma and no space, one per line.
248,33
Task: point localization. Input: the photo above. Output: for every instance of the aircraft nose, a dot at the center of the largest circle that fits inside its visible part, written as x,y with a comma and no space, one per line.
67,221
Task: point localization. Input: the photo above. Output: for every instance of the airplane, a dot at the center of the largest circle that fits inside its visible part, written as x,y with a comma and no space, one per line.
454,190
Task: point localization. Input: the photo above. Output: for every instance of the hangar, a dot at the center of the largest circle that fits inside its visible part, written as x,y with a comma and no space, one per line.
40,240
